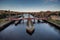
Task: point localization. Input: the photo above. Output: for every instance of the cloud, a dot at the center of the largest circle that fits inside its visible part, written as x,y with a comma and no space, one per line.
51,0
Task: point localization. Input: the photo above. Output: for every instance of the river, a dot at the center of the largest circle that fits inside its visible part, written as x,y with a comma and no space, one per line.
43,31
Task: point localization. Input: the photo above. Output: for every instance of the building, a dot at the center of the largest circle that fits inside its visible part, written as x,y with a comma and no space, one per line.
54,17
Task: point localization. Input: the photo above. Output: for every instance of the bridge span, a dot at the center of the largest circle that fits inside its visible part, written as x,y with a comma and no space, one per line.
27,19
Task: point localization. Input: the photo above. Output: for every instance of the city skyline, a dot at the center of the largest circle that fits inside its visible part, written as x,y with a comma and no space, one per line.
30,5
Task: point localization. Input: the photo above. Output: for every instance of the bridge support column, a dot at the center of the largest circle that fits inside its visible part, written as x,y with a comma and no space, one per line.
23,18
34,21
38,21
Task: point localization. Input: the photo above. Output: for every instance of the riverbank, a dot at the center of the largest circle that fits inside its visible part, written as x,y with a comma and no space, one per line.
52,23
4,23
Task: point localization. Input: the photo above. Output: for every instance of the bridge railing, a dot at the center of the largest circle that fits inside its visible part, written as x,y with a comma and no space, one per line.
28,18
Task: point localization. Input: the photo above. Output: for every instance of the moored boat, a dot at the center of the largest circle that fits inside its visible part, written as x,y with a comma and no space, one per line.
30,26
16,22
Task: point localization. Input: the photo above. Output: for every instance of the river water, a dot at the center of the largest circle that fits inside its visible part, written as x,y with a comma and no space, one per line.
43,31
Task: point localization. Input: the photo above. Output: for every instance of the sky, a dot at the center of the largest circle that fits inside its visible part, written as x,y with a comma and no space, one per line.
30,5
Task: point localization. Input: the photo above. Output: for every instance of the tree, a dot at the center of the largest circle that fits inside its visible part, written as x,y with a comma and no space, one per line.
59,13
3,15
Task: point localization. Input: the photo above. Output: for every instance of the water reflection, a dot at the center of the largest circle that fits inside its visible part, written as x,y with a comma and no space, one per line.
30,33
57,29
42,31
30,27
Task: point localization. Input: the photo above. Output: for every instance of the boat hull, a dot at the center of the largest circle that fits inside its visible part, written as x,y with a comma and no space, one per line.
16,22
30,26
30,29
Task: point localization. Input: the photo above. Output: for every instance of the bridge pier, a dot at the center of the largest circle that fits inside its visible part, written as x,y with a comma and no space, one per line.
38,21
34,21
23,18
20,20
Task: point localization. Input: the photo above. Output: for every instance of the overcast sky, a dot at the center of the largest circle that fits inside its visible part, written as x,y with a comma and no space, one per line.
30,5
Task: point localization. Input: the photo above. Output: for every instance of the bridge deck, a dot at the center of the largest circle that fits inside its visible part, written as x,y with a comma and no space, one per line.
28,18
